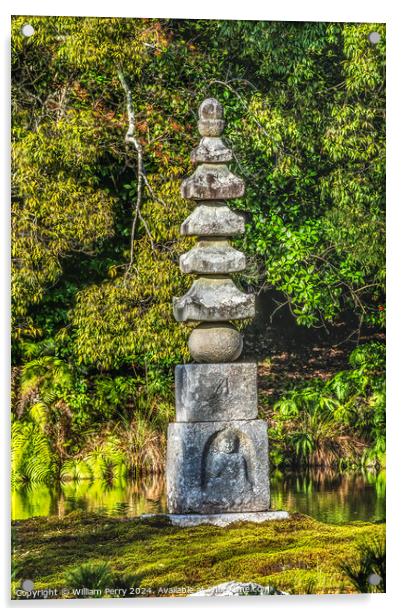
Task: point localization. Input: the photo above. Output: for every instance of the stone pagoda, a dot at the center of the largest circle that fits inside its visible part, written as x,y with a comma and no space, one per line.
217,453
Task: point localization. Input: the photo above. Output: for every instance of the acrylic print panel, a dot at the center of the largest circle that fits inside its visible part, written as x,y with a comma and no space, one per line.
198,307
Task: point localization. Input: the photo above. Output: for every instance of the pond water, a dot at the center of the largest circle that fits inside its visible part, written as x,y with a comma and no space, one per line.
328,496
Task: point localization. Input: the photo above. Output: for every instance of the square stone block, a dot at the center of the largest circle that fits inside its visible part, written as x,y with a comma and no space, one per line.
216,392
217,467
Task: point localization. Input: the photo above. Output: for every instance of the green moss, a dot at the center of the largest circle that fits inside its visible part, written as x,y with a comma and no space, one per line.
299,555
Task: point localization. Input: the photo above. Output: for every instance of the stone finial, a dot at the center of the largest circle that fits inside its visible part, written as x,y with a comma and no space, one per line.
211,122
210,109
212,180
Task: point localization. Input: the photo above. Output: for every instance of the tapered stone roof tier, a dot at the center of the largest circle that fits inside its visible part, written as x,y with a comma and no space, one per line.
212,182
213,299
211,150
212,257
214,219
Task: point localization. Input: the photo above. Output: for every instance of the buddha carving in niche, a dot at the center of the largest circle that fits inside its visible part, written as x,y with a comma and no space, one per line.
227,468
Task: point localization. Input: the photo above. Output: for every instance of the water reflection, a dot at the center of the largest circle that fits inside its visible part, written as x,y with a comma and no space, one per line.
331,496
327,495
119,498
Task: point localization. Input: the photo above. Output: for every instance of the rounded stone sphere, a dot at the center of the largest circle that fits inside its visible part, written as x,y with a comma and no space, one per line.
215,343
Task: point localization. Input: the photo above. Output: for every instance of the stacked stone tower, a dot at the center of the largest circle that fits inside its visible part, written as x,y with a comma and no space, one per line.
217,459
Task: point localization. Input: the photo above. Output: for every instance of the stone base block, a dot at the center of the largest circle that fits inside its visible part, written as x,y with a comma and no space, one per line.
217,467
216,392
221,519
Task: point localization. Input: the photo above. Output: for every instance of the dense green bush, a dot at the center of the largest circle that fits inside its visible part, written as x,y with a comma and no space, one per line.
340,421
93,334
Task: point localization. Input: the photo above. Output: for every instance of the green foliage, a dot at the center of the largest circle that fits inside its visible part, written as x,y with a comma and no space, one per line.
94,339
32,457
126,320
122,449
87,426
371,561
98,576
89,575
338,421
315,160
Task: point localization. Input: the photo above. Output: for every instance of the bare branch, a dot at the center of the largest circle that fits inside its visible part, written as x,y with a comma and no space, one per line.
151,191
278,307
131,138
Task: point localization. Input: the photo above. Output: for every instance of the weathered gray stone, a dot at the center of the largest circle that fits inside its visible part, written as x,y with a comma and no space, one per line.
216,392
217,453
212,257
237,589
213,299
217,467
211,121
212,182
210,109
211,128
219,519
211,150
215,343
214,219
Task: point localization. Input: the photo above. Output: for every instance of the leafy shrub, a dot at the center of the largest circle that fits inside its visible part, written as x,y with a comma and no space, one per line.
90,575
32,459
339,421
370,562
98,576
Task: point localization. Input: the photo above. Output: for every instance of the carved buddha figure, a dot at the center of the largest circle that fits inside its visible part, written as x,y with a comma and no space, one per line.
227,469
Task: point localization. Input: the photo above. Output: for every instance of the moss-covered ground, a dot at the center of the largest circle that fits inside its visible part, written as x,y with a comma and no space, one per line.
299,555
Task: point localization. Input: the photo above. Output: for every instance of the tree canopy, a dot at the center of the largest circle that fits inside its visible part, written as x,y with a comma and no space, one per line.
96,235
